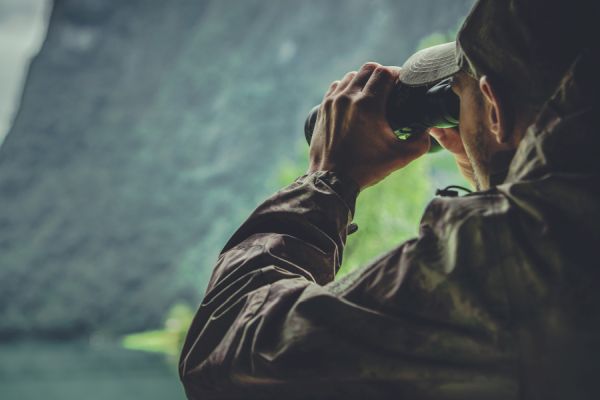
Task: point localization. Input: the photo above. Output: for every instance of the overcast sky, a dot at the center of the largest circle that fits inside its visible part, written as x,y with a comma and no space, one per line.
22,29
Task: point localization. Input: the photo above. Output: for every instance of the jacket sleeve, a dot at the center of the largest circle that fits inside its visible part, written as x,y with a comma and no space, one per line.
274,323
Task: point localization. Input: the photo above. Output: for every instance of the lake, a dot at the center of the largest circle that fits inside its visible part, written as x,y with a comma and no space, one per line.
80,370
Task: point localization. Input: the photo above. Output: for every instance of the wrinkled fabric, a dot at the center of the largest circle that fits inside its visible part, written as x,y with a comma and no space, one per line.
497,297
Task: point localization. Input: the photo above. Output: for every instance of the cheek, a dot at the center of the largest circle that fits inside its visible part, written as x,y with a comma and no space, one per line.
468,121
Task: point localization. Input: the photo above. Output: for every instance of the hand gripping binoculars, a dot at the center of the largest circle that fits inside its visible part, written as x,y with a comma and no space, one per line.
411,110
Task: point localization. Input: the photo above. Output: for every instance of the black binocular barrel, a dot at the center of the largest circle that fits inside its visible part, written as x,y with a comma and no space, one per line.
412,110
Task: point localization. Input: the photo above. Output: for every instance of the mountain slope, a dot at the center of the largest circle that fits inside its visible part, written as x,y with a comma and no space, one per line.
148,130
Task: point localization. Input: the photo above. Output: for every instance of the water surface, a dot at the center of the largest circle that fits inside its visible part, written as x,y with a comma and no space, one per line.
79,370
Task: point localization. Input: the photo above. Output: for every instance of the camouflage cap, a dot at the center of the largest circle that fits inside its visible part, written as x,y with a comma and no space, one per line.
526,44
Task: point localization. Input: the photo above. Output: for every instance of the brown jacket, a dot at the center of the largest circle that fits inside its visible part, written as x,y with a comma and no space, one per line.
497,298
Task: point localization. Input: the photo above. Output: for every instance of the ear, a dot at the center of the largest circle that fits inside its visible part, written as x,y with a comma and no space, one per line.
496,114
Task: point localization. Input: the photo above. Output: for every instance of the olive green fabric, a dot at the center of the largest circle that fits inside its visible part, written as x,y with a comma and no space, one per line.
497,297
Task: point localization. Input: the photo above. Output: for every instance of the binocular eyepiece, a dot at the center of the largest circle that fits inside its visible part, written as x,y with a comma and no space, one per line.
411,110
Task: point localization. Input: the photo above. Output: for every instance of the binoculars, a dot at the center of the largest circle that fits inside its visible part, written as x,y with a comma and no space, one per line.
411,110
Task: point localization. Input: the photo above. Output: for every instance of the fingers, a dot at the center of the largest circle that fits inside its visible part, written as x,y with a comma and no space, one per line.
380,84
345,81
441,133
449,138
362,76
438,134
373,79
332,88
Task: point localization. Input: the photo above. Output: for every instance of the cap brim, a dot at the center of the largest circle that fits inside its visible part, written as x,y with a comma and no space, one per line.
430,65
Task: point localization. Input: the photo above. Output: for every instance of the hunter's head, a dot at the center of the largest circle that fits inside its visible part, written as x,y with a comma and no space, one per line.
508,59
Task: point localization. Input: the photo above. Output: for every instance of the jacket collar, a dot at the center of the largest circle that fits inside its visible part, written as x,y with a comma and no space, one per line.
562,139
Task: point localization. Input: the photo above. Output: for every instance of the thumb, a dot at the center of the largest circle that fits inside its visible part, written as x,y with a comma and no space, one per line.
437,133
449,138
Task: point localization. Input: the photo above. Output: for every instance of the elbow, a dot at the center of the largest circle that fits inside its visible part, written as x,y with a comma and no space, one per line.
212,351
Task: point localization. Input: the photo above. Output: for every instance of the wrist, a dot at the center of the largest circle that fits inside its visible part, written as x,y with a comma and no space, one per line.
341,183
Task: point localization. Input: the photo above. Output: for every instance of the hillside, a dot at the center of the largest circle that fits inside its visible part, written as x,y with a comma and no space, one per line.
148,130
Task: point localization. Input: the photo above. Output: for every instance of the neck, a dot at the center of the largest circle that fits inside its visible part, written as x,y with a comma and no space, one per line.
499,165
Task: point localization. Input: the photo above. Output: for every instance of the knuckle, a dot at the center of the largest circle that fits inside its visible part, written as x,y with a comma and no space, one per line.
368,98
364,100
370,65
343,100
383,72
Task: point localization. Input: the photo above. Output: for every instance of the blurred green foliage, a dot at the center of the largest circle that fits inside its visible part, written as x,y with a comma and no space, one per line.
147,132
169,340
387,214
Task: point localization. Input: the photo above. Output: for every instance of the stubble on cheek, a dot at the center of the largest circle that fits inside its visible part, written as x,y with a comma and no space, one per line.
476,145
477,149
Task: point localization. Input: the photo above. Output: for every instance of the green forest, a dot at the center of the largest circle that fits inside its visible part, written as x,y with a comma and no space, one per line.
387,214
146,133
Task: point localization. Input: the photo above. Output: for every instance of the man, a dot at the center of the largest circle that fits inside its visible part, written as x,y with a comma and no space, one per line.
495,299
